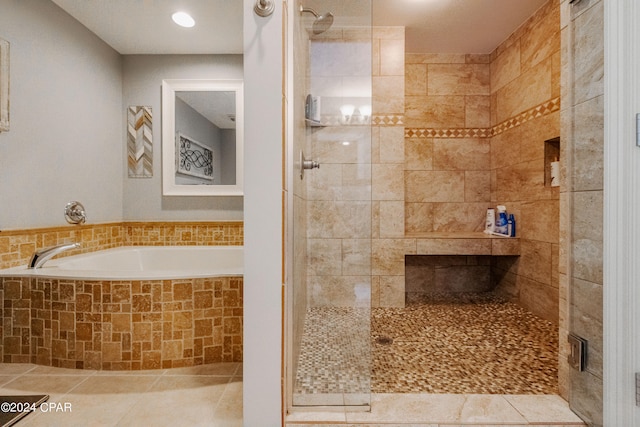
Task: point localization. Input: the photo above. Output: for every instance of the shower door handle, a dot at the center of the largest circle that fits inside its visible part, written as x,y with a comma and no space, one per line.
307,164
310,164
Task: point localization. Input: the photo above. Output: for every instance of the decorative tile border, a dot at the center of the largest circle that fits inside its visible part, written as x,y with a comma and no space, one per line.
17,246
538,111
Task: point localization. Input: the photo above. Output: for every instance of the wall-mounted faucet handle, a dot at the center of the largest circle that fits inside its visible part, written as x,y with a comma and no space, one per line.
74,213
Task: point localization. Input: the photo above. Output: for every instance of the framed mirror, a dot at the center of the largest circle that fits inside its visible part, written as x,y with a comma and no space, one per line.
202,143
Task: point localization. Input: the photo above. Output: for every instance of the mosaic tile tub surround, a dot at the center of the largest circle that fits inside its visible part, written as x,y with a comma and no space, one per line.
121,325
17,246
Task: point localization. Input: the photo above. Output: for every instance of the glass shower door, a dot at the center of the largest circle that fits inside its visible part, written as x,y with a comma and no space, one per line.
332,208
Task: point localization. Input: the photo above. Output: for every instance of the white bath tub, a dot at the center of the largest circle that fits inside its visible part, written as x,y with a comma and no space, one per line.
142,263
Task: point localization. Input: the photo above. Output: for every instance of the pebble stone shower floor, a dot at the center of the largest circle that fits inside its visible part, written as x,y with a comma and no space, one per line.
442,343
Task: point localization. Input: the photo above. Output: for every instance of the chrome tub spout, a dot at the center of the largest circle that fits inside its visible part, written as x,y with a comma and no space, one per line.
43,255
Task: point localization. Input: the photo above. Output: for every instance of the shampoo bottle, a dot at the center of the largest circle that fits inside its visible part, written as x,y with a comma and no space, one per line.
511,226
501,222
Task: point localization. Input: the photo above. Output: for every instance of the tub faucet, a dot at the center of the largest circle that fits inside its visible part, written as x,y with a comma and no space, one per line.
41,256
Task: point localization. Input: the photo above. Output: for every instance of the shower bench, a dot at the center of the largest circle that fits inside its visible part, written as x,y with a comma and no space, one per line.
464,243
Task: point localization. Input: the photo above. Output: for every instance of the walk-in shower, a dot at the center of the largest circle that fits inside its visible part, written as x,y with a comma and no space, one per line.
330,272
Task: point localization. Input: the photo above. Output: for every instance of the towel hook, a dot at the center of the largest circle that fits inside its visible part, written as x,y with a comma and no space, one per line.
264,8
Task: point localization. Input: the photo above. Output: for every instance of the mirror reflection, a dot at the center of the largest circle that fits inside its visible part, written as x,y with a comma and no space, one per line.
202,137
205,138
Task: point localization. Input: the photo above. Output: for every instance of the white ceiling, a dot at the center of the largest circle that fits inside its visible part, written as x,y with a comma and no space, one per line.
432,26
145,26
454,26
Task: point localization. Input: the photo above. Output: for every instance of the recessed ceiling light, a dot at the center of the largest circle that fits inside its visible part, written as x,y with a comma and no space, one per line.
183,19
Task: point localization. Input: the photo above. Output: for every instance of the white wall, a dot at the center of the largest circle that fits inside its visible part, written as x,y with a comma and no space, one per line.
142,82
66,118
263,234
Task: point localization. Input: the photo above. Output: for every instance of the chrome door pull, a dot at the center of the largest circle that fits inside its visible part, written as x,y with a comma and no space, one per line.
307,164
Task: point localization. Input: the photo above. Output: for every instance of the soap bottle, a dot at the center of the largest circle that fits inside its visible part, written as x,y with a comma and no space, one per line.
501,221
490,223
511,226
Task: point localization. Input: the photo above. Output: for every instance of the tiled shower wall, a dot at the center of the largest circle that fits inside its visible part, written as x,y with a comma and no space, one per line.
581,202
476,127
355,201
525,112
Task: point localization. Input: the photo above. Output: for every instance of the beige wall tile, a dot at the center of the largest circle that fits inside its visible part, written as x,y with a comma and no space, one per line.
539,220
461,154
459,216
477,58
392,57
505,68
418,153
535,261
539,298
588,54
387,182
453,246
418,217
588,146
392,291
388,95
391,144
542,40
356,181
391,219
337,219
477,111
586,221
535,132
436,58
477,186
434,186
387,258
324,257
435,111
458,79
416,79
356,257
531,88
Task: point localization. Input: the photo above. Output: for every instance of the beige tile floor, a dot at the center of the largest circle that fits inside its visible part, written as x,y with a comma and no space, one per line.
209,395
447,410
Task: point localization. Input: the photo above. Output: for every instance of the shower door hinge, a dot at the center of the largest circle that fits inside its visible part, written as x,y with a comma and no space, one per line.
578,356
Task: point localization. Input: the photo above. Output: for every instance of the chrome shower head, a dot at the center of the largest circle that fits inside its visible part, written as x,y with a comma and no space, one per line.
322,22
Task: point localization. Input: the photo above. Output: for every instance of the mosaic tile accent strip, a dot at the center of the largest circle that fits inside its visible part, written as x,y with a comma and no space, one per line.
17,246
140,142
121,325
539,111
442,343
184,233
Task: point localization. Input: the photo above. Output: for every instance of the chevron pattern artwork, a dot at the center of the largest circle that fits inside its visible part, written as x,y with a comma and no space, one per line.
139,142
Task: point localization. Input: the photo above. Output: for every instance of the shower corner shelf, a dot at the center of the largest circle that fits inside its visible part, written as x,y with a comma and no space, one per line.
313,124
